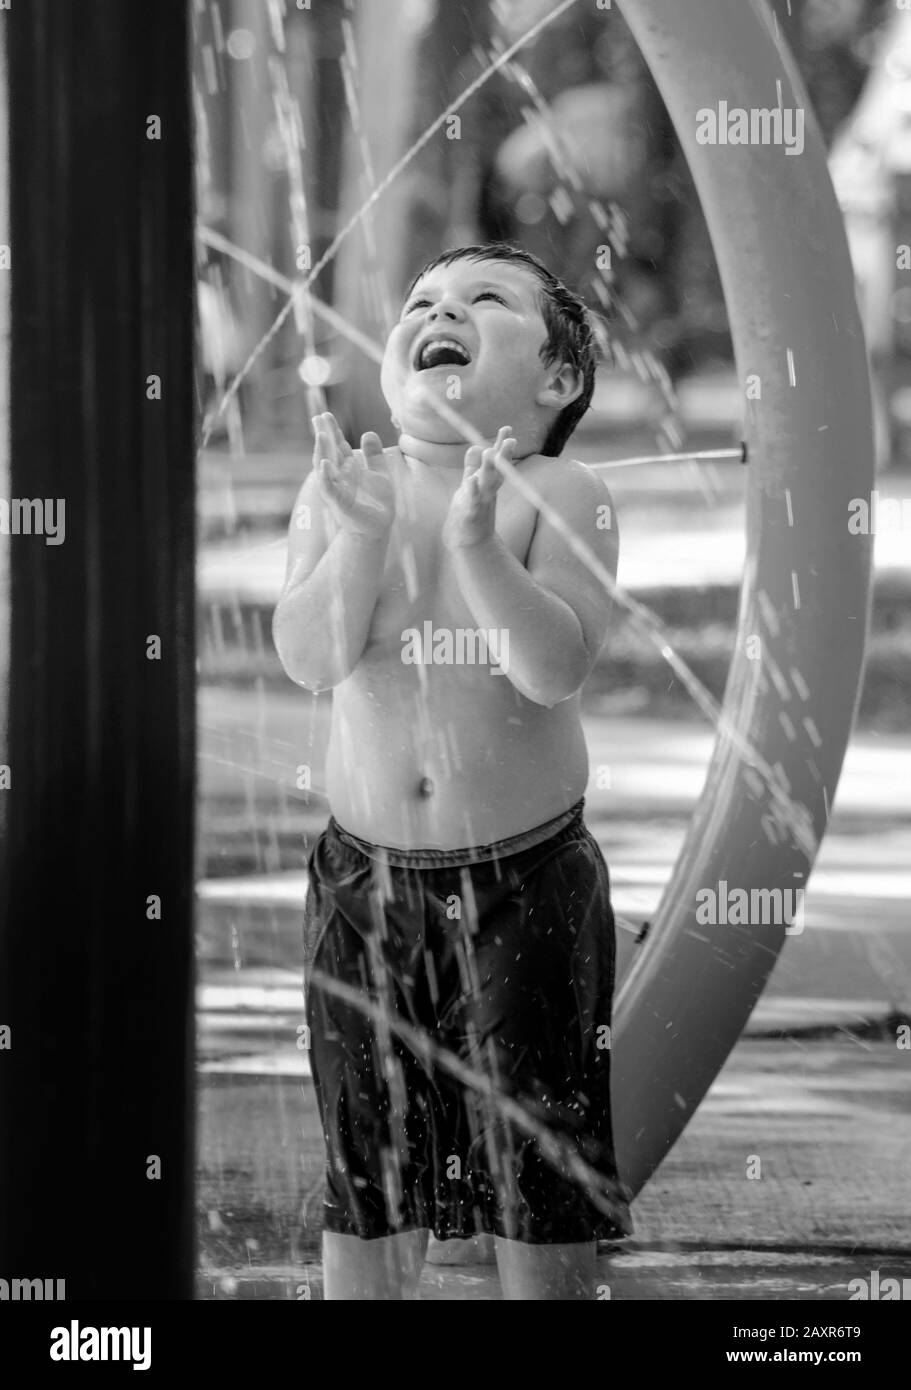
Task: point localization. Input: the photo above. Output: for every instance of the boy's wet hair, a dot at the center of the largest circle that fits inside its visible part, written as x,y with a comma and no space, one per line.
571,333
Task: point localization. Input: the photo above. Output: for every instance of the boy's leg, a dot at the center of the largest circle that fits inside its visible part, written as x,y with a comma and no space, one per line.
546,1271
540,1010
385,1269
368,1088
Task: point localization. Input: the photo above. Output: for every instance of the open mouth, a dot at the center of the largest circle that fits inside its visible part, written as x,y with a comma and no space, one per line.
442,352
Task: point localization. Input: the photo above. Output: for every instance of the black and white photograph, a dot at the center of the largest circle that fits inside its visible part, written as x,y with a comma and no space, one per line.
455,668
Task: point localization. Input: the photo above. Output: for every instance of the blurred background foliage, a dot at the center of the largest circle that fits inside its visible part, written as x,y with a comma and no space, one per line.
567,148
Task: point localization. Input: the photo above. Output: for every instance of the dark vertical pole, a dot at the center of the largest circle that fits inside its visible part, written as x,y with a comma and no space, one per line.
95,982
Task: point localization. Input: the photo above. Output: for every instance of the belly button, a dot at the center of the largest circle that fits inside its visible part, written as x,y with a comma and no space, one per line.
425,786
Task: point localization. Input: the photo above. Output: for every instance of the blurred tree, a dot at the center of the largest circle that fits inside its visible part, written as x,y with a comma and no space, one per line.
568,149
665,294
833,42
581,178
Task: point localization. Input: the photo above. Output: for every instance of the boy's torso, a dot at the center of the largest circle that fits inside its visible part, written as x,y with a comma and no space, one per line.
429,747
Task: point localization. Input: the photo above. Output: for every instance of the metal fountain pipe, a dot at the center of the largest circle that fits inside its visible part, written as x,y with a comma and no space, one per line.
783,256
96,849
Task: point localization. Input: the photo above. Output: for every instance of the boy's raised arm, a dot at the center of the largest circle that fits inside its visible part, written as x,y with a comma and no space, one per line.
337,543
554,609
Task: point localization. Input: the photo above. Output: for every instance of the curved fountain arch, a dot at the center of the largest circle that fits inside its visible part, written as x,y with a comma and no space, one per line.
783,257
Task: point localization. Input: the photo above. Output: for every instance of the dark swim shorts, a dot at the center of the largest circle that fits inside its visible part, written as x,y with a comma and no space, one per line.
459,1008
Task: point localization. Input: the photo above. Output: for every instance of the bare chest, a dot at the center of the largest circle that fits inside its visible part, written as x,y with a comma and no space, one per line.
418,582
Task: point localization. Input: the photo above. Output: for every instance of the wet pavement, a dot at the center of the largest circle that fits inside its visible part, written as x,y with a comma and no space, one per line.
791,1181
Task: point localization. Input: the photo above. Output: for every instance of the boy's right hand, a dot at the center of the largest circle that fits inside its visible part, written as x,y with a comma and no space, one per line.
359,497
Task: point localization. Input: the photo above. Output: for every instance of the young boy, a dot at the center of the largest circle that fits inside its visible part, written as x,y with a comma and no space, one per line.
459,936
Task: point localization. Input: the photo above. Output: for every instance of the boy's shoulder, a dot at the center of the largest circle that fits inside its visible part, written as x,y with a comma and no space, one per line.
565,476
561,466
579,496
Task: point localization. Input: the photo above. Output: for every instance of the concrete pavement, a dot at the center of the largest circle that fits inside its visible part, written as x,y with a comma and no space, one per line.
827,1202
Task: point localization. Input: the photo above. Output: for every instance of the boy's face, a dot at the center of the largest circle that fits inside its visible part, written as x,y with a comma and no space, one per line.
470,334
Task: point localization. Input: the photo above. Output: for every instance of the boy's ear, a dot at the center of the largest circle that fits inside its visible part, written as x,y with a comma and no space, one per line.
563,385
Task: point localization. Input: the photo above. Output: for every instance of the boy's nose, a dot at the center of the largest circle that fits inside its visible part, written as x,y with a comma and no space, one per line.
446,309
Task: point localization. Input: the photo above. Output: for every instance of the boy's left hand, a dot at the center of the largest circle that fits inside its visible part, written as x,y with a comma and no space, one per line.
473,510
